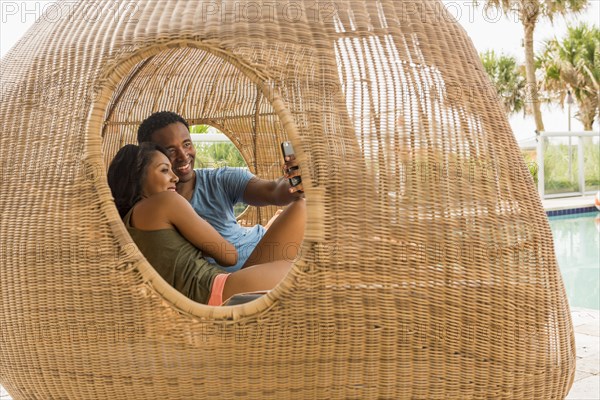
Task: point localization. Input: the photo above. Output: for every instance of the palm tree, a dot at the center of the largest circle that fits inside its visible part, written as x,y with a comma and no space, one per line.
199,128
572,64
529,12
508,79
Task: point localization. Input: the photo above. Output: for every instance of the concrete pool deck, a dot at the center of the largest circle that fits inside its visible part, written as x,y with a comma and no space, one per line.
586,324
587,343
567,203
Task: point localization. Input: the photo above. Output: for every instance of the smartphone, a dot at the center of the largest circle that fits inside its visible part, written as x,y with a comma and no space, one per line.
288,150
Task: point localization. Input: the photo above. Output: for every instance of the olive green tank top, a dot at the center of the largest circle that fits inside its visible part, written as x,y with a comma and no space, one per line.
178,261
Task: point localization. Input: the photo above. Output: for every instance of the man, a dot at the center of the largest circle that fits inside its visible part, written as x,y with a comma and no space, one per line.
214,192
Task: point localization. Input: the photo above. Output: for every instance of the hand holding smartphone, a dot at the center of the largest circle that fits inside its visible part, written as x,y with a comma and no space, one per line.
288,151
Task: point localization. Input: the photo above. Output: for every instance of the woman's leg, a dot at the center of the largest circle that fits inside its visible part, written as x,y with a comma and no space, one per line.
283,238
255,278
273,218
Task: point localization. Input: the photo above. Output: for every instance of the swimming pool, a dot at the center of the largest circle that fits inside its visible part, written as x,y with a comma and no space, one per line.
577,248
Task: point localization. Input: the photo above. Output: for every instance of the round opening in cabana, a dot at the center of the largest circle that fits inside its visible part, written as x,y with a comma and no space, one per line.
228,107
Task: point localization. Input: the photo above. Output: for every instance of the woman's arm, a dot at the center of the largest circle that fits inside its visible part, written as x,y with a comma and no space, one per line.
196,230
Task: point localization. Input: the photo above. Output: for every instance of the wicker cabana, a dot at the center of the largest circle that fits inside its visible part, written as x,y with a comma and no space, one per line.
427,271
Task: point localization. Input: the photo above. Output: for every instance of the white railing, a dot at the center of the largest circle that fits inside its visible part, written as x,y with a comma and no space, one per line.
209,138
541,141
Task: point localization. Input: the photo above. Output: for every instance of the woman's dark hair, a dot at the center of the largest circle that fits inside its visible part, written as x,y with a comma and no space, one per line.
127,172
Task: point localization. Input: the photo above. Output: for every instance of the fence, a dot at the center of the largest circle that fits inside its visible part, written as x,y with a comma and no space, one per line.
568,163
215,150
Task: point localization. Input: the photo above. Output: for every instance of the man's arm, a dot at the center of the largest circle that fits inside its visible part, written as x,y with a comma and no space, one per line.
261,192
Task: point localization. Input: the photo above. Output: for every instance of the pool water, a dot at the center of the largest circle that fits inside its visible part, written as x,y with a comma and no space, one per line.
577,248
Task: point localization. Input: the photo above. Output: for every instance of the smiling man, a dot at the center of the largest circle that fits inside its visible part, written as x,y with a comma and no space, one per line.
213,193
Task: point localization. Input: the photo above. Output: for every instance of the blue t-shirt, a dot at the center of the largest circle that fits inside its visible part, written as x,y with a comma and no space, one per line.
215,194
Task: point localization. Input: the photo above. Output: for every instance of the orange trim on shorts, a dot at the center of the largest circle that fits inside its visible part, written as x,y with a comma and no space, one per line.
216,292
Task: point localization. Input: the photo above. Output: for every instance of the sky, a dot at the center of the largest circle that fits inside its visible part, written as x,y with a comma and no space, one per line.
505,35
487,31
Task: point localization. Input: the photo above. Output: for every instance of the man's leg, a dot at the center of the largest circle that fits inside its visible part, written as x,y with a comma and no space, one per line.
283,238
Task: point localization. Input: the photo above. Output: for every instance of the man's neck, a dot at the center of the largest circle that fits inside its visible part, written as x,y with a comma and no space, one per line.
186,189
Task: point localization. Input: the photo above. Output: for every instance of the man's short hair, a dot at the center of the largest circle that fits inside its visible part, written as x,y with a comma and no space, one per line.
157,121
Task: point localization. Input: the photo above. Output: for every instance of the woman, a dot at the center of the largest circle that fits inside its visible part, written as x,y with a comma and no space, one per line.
173,237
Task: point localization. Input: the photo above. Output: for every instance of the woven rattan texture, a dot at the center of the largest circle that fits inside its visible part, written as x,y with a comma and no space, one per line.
428,269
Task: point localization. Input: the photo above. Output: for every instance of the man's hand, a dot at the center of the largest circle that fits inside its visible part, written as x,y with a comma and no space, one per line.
291,169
